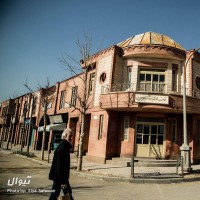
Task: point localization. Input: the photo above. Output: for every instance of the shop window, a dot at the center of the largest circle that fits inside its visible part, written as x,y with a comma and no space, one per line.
91,83
148,133
100,127
151,80
160,134
139,133
154,132
74,96
126,128
62,99
56,139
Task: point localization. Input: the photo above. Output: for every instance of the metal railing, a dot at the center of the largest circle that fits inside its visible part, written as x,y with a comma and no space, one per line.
179,163
146,87
118,88
156,174
122,87
160,88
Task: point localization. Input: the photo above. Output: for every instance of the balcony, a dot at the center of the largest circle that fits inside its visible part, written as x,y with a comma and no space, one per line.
148,88
130,87
124,97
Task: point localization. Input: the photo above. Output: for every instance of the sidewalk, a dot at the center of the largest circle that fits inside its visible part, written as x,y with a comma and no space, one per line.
118,173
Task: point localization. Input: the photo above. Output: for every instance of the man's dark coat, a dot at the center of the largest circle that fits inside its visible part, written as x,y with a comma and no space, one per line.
61,163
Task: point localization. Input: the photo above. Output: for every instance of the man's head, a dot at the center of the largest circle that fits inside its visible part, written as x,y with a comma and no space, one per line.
67,135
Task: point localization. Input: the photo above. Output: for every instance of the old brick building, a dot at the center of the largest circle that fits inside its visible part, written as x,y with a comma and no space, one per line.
135,91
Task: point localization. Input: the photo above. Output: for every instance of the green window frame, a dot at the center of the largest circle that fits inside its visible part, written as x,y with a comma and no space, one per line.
91,83
126,128
74,96
151,80
100,133
62,99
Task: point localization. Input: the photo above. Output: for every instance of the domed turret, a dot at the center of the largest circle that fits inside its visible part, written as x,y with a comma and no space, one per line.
150,38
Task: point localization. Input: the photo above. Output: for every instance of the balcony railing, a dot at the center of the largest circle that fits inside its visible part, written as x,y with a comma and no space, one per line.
145,87
122,87
134,87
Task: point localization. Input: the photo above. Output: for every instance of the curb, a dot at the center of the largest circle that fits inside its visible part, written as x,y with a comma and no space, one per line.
134,180
114,178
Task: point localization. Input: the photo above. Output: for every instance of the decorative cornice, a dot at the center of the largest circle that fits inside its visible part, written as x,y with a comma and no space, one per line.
94,57
159,49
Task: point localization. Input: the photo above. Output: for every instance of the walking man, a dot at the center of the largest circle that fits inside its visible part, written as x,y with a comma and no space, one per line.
60,168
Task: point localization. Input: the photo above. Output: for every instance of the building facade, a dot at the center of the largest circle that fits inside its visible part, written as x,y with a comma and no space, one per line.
135,96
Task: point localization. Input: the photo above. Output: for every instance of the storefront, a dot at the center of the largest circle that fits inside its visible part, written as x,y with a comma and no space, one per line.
53,131
150,137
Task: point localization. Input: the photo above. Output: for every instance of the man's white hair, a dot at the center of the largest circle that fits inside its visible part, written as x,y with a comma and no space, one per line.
66,132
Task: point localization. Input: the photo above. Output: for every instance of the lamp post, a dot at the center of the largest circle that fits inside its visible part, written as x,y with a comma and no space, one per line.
185,148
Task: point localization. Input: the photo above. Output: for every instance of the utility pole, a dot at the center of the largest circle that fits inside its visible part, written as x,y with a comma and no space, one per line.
185,148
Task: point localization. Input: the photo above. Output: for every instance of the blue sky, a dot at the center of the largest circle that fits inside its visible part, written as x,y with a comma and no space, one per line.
33,33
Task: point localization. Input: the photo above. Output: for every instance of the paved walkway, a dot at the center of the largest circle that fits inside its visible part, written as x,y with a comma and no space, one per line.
119,173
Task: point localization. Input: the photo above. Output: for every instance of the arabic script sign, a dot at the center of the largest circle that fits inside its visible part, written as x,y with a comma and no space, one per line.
20,182
149,98
56,119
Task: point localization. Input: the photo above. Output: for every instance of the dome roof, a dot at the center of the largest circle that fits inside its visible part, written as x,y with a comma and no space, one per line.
150,38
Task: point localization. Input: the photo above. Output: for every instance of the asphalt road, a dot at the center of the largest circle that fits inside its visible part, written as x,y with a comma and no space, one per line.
15,184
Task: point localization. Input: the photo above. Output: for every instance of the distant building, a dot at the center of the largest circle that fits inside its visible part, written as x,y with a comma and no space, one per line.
135,88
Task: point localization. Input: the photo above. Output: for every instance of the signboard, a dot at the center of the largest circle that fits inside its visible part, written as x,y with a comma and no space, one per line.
150,98
56,119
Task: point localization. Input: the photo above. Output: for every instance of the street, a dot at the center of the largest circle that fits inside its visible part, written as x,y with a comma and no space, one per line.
24,179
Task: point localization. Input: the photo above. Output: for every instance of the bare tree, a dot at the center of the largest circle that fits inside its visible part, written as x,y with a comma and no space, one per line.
10,115
3,121
25,109
46,98
85,64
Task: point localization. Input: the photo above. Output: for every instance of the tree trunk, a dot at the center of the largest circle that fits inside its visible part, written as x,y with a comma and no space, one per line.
21,139
2,136
9,136
30,123
80,150
83,113
43,143
44,131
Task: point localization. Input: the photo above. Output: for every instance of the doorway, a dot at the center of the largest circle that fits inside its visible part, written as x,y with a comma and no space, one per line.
149,139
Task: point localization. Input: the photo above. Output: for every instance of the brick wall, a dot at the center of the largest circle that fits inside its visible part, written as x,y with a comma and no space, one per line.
127,146
104,65
117,70
97,147
195,73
